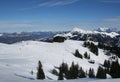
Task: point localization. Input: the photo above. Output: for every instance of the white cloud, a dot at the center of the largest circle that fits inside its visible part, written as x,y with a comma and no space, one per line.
15,24
113,20
109,23
110,1
51,3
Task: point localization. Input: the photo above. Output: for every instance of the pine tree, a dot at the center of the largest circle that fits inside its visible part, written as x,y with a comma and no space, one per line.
60,77
40,73
77,54
73,72
101,73
96,50
89,56
93,48
85,44
76,69
86,55
64,68
115,70
107,70
106,64
101,45
91,73
81,73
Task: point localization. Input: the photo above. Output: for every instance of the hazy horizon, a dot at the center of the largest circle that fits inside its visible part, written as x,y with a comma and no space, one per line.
58,15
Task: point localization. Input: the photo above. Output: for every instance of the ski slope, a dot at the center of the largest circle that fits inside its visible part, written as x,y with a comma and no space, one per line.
19,59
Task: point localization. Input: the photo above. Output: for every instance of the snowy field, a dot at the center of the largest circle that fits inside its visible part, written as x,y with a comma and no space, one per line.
19,59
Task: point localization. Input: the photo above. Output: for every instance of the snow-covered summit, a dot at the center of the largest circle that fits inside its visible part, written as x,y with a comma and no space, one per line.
64,35
80,30
76,29
102,29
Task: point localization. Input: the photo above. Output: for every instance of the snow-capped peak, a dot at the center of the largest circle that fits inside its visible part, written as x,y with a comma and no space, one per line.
77,30
102,29
81,31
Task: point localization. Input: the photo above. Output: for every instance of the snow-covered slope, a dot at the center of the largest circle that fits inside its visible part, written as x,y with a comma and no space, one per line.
19,59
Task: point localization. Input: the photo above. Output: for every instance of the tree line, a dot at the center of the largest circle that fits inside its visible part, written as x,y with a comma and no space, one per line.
92,47
112,49
79,55
112,68
75,71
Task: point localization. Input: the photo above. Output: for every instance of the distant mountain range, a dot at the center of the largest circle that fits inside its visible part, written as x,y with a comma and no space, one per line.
107,35
10,38
110,38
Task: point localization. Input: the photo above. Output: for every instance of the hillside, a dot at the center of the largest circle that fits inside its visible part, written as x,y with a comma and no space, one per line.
19,59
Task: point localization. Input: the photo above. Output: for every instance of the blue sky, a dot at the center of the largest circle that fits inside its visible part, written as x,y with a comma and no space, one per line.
58,15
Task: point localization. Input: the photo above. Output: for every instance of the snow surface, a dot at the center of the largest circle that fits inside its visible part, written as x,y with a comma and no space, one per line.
19,59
